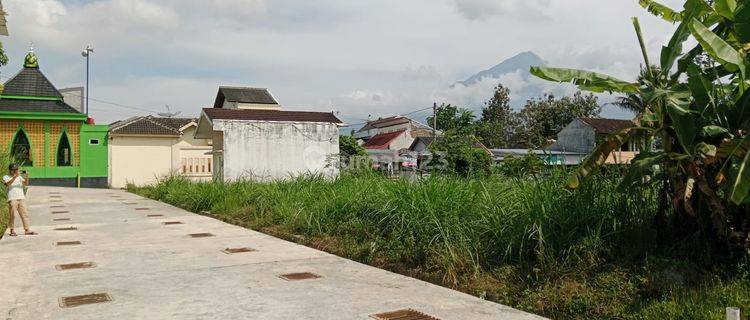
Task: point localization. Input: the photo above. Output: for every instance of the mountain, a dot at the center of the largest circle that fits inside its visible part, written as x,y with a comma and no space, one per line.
520,62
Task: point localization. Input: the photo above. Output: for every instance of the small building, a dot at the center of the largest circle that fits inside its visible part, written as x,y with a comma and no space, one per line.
411,128
582,135
252,138
55,143
169,144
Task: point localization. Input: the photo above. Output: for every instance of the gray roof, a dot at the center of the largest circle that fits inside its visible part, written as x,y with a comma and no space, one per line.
30,83
150,126
243,95
270,115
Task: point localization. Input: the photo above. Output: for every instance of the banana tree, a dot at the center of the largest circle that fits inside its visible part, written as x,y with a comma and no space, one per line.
695,103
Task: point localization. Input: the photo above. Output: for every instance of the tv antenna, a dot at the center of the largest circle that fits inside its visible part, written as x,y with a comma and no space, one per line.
169,113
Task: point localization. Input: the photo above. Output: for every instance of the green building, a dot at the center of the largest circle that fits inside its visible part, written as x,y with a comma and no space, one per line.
51,140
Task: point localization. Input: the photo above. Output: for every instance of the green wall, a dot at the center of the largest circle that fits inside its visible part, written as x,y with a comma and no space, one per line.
94,161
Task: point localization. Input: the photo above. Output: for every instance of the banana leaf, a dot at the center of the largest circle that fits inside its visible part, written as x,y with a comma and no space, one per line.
585,80
739,188
742,23
725,8
661,11
597,158
719,49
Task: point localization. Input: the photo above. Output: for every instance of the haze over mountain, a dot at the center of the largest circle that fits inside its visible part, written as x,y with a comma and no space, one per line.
518,63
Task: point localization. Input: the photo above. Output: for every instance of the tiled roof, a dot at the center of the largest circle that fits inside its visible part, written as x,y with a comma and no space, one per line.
383,140
607,126
243,95
36,106
270,115
29,84
385,122
150,126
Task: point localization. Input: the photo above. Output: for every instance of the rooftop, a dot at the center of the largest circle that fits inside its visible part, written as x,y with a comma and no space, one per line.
243,95
270,115
607,126
150,126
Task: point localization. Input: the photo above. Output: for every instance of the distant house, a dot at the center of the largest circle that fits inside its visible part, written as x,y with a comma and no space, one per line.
144,149
583,134
254,139
385,128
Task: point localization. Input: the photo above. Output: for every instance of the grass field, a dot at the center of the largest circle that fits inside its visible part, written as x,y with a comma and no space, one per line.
588,254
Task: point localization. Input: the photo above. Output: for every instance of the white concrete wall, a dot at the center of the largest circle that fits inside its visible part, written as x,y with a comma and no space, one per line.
577,136
267,151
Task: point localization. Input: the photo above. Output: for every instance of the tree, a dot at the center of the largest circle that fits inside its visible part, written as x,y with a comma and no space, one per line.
348,147
542,118
462,154
454,119
498,124
696,103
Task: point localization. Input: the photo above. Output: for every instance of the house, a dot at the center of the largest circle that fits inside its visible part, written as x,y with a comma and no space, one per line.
252,138
582,135
384,126
170,145
51,140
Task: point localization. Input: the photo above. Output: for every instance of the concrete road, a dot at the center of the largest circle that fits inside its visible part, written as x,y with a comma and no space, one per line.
151,270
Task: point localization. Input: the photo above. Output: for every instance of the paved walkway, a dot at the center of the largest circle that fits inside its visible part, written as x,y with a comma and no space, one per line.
153,270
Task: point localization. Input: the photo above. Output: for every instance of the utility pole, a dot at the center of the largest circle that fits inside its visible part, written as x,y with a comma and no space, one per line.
86,53
434,121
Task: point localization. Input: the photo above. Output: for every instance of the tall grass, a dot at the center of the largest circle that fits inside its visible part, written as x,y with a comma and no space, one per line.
446,224
4,162
587,254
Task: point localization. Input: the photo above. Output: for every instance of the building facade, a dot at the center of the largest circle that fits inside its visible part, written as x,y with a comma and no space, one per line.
170,145
52,141
268,144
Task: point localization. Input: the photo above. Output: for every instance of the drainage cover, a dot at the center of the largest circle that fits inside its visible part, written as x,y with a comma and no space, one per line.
58,200
129,203
237,250
74,301
68,243
155,215
171,223
57,207
201,235
140,209
66,229
71,266
58,212
299,276
406,314
61,219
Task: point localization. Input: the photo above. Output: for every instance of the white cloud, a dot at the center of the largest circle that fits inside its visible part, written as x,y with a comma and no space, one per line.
421,73
483,9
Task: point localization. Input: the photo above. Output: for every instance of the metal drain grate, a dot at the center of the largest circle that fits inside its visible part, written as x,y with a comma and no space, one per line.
155,215
59,212
141,209
75,301
201,235
56,201
130,203
406,314
169,223
237,250
299,276
57,207
68,243
66,229
72,266
55,196
61,219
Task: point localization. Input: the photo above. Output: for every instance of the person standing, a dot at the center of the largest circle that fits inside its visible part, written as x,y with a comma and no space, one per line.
15,183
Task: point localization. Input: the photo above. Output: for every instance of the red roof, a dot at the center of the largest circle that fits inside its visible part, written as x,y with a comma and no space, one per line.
383,140
270,115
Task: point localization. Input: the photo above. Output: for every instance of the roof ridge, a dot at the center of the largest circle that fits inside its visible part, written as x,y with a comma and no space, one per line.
150,119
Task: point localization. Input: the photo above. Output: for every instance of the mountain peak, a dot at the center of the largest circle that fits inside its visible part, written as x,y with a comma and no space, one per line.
520,62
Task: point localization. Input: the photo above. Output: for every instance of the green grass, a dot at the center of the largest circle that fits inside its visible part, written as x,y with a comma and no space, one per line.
3,211
588,254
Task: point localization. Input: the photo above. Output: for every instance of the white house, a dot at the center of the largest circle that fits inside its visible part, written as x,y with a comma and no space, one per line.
144,149
251,141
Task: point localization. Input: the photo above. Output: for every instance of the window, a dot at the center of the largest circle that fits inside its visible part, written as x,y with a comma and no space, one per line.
94,142
64,152
21,150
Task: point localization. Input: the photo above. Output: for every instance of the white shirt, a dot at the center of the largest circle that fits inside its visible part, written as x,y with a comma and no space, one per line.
15,189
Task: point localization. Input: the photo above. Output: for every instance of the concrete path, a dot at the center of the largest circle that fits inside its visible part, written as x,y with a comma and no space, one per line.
151,270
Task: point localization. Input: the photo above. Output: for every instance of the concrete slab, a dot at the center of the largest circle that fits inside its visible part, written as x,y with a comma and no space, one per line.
156,271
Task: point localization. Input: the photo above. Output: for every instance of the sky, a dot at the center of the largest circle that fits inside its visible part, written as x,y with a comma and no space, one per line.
360,59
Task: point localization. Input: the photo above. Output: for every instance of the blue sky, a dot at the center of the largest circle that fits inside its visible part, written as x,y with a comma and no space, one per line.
358,58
